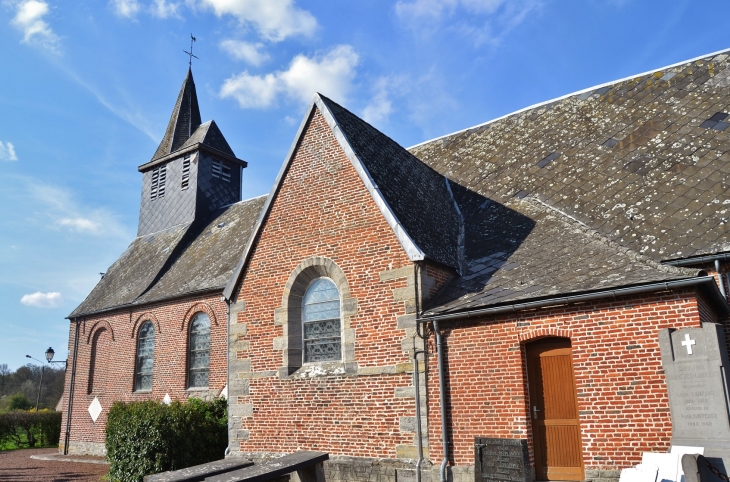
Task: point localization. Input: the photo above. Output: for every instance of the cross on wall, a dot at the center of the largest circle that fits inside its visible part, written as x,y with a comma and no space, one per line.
687,343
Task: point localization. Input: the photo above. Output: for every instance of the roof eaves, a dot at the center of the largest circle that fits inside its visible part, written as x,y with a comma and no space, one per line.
195,147
563,97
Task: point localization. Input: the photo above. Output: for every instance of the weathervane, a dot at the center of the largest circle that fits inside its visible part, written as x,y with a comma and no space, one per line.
190,62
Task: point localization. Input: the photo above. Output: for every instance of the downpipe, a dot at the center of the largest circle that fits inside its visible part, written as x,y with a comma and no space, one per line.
417,387
442,400
719,278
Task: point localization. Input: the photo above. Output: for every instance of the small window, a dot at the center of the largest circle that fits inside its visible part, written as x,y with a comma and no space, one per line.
199,351
185,172
321,322
221,170
145,356
159,176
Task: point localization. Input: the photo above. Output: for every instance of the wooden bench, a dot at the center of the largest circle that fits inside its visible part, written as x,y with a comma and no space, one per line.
308,465
198,473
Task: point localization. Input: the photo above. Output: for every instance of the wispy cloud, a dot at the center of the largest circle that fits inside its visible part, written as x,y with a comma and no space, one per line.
164,9
275,20
29,19
331,74
64,212
378,110
125,8
251,53
7,152
42,300
488,20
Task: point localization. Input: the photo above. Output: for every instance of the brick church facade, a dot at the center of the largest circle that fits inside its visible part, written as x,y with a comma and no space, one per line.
520,269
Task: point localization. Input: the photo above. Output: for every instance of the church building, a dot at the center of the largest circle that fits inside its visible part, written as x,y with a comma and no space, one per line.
395,307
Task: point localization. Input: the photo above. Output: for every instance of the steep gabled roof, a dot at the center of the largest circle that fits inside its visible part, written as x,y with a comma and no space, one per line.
184,120
643,161
209,135
413,198
185,259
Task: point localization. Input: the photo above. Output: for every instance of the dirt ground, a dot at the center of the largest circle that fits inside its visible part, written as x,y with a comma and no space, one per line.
17,466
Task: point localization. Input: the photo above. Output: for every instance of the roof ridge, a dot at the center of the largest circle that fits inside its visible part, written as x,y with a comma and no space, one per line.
563,97
588,231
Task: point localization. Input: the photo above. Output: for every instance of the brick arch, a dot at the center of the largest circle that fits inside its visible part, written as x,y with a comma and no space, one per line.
146,316
289,313
533,335
195,309
98,326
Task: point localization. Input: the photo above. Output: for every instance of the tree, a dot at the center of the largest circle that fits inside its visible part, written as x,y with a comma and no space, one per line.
19,401
4,372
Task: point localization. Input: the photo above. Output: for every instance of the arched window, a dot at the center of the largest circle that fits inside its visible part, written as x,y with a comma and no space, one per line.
199,351
145,356
321,322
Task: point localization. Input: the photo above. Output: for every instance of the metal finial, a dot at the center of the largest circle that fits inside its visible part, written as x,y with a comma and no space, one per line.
190,62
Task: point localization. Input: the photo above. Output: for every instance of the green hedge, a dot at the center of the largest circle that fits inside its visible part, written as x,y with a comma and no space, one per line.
145,438
30,429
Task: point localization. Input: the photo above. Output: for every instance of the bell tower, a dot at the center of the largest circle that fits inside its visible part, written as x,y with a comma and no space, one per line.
193,171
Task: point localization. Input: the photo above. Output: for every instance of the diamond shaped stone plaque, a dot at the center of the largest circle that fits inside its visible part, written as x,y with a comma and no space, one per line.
167,400
95,409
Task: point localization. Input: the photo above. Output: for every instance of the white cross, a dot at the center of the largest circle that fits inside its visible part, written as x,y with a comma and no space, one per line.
688,343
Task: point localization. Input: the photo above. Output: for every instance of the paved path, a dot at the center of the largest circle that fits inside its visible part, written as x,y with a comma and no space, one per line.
17,466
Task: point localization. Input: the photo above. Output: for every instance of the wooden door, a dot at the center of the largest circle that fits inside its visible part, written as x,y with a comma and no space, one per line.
554,410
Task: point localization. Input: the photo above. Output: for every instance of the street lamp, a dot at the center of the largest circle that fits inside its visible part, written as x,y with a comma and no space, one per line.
49,356
38,398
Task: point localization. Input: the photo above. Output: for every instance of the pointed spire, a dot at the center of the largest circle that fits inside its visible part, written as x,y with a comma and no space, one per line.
184,120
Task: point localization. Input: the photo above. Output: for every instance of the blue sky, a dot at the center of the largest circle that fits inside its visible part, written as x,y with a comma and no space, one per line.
87,88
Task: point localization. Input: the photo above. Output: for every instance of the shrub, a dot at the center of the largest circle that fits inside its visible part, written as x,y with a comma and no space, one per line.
19,401
30,429
145,438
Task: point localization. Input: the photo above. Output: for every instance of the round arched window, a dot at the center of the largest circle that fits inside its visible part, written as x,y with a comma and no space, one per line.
199,351
145,356
321,322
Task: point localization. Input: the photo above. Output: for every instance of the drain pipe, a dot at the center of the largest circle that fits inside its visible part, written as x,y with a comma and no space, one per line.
719,278
417,387
442,399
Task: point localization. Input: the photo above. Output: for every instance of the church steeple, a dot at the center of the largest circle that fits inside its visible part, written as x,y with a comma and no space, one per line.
184,120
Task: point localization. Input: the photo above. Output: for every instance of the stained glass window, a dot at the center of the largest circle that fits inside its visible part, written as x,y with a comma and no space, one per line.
321,322
199,351
145,356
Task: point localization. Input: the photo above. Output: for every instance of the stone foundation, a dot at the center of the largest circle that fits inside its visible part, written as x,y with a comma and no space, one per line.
84,448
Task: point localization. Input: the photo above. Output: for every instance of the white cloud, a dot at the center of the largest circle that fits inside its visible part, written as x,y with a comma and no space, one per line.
275,20
43,300
125,8
251,53
29,19
381,105
7,152
331,74
81,225
163,9
62,211
488,20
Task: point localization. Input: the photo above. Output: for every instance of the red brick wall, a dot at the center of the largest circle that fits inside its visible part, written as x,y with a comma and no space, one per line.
323,209
622,395
113,376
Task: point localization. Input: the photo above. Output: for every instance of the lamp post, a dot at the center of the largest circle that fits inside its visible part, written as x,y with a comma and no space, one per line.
38,398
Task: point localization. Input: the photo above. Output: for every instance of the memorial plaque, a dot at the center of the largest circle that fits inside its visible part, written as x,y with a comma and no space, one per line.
695,362
498,459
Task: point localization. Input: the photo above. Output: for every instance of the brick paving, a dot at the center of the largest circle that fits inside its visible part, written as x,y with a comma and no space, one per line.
17,466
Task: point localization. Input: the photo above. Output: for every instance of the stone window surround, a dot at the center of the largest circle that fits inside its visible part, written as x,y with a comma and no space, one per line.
289,316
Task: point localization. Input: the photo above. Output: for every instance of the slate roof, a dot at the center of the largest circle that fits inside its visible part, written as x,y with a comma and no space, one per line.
643,161
594,190
179,261
184,120
418,196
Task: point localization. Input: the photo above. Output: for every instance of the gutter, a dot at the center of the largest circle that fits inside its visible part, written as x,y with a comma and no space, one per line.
707,282
195,147
711,258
